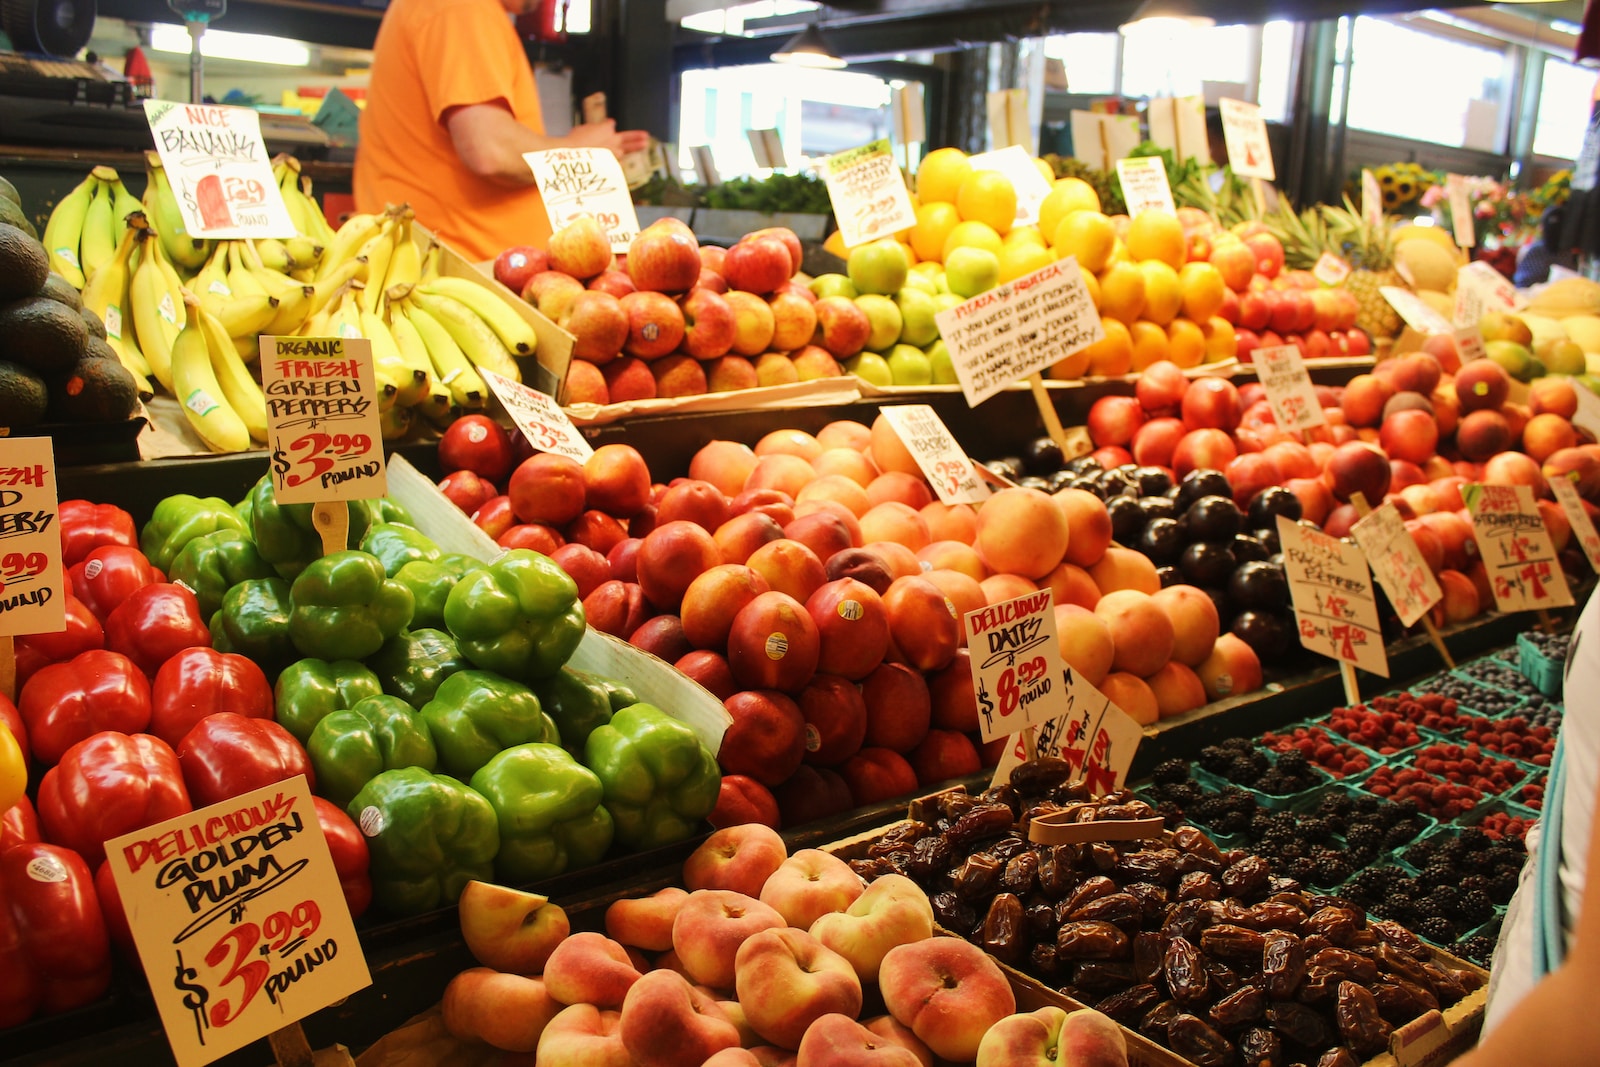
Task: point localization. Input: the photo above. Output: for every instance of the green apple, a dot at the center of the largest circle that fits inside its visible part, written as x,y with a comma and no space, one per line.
870,367
884,316
946,301
1564,357
944,369
934,272
909,365
878,266
921,281
917,310
833,285
971,271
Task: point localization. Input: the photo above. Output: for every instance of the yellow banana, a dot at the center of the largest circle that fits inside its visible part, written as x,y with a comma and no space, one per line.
326,286
430,263
303,252
272,254
357,231
123,204
413,352
514,332
293,204
169,275
161,203
396,422
238,388
412,382
378,252
451,367
211,283
405,266
246,316
324,233
294,307
106,293
474,336
155,317
98,244
240,278
197,389
249,348
64,232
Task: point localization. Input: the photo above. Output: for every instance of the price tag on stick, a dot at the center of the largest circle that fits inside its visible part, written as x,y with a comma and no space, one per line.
219,170
1460,210
1097,738
1516,548
869,196
322,419
1289,390
1566,495
32,583
1334,606
539,417
1397,564
1017,671
1245,132
1144,185
946,466
239,920
1016,163
585,181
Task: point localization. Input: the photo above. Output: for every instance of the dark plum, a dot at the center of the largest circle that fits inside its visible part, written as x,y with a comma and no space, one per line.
1126,518
1031,481
1008,467
1161,541
1268,535
1247,548
1153,481
1211,518
1207,562
1259,585
1042,456
1084,465
1269,634
1170,576
1274,500
1158,507
1060,480
1199,483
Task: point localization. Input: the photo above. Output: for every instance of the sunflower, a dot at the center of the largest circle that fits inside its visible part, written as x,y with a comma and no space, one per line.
1390,199
1405,190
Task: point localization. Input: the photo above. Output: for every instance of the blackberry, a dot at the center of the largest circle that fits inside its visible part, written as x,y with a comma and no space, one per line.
1332,870
1232,823
1362,835
1304,868
1336,803
1501,886
1474,882
1171,815
1262,824
1399,834
1171,771
1474,907
1243,769
1436,928
1474,839
1214,758
1396,906
1478,949
1439,874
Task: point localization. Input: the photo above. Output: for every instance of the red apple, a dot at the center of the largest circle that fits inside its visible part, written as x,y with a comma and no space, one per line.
514,266
664,259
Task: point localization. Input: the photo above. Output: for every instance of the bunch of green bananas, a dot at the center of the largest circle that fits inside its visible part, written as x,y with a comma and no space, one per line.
88,225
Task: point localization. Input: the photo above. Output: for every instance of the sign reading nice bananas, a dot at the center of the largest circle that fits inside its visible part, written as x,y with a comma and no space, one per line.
220,170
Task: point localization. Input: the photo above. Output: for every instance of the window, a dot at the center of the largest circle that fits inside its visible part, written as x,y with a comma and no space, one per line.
1090,60
1277,70
1565,93
731,20
1452,89
1167,63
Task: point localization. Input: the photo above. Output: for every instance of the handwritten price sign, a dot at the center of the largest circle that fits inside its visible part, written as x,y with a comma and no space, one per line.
869,196
1516,548
1479,289
1095,737
1334,606
30,541
1245,133
239,919
322,419
1144,185
1289,390
1397,563
946,466
1016,663
219,170
585,181
1566,495
539,417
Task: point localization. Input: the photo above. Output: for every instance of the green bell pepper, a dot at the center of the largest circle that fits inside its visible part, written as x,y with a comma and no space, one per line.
312,689
395,545
284,534
254,621
661,782
350,748
428,836
548,808
620,695
430,584
213,563
577,702
475,714
519,616
386,510
243,509
414,664
177,520
345,608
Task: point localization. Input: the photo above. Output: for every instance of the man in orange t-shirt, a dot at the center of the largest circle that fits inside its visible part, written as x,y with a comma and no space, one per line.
451,109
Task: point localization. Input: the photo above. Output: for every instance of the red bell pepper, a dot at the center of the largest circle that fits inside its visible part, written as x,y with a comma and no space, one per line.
11,719
55,954
109,575
85,526
350,856
155,624
94,691
202,681
83,632
18,823
227,754
112,911
107,786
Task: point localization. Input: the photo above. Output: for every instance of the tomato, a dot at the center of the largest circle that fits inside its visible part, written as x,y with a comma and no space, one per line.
476,443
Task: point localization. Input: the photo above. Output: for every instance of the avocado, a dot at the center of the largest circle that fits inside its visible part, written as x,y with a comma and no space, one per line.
42,333
23,397
93,324
99,348
12,214
23,264
62,291
9,192
96,390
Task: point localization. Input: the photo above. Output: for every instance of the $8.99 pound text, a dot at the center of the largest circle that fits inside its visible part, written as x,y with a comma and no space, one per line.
236,954
1013,682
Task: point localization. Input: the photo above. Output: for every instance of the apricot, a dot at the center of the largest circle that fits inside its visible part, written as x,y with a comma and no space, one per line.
1022,531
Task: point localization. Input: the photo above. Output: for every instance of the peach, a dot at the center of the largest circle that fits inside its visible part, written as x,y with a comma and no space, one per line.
893,1032
662,637
999,587
1140,630
891,912
1461,599
1481,385
773,643
1554,396
1084,1038
671,557
724,464
1358,467
950,522
616,480
1130,693
507,1011
901,560
714,598
899,707
824,532
847,463
508,929
810,884
666,1022
1515,468
1123,568
964,593
954,556
897,522
836,719
693,500
766,740
710,927
1232,669
789,567
645,922
840,488
1409,435
837,1040
1211,403
589,968
1203,449
1088,526
1071,584
735,858
923,627
889,452
1085,642
1545,435
790,442
547,488
739,537
845,433
908,489
1177,689
787,979
1556,523
583,565
1579,466
954,701
581,1035
852,627
1194,620
1293,459
782,471
1364,398
943,755
1022,531
1316,499
948,991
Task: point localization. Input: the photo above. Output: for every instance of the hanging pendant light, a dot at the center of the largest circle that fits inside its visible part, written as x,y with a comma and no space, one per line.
1167,15
809,48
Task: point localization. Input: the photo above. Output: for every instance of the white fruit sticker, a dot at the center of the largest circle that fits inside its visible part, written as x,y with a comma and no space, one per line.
93,568
850,610
70,255
371,821
200,402
46,869
168,310
777,645
114,322
219,288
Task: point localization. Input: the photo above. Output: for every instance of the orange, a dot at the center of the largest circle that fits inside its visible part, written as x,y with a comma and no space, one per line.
1091,283
1022,257
988,196
1122,292
1163,296
1112,355
971,235
1086,235
1204,290
1046,171
1025,235
1074,366
1221,340
1119,251
1149,343
935,220
1065,197
1158,235
941,173
1186,343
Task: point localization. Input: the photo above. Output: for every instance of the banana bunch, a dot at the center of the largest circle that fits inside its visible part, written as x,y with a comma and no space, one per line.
223,404
88,225
304,210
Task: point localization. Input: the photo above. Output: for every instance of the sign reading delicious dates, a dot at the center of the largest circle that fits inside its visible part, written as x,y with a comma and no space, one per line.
219,170
539,417
585,181
1016,663
1566,495
1397,563
946,466
1282,374
322,419
1019,328
1334,606
239,919
30,541
1515,547
869,196
1097,738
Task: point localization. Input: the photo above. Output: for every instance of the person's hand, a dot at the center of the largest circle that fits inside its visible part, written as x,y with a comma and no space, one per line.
605,134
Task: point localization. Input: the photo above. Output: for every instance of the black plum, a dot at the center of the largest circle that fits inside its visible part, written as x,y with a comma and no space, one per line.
1153,481
1199,483
1158,507
1211,518
1042,456
1270,634
1207,562
1268,536
1160,540
1274,500
1170,576
1247,549
1126,518
1258,584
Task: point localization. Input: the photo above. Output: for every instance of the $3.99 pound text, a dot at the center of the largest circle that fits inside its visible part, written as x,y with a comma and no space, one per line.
952,474
244,191
238,956
318,450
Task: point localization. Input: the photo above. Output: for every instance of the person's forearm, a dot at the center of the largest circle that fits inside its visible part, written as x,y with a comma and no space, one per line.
491,142
1545,1028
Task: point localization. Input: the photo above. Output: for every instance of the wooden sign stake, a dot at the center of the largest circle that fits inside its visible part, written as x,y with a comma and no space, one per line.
290,1047
331,520
1030,745
1047,412
1347,673
8,668
1547,622
1259,188
1359,502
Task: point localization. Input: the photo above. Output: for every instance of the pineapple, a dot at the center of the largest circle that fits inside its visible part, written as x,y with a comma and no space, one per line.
1370,250
1304,235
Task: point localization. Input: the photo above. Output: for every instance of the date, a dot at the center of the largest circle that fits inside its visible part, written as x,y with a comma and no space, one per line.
1199,885
1042,958
1401,1001
982,822
1224,979
1246,878
1401,964
1338,924
1189,840
1156,1021
1057,875
1003,933
1042,921
1347,965
1187,919
1244,1005
1123,909
1092,940
978,876
1092,888
1148,948
952,912
1270,915
1021,873
1283,964
931,856
1102,856
899,838
1158,865
1260,1047
1338,1057
1130,1004
1100,977
1038,777
1392,933
1184,969
1298,1023
1360,1023
1230,942
1192,1038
